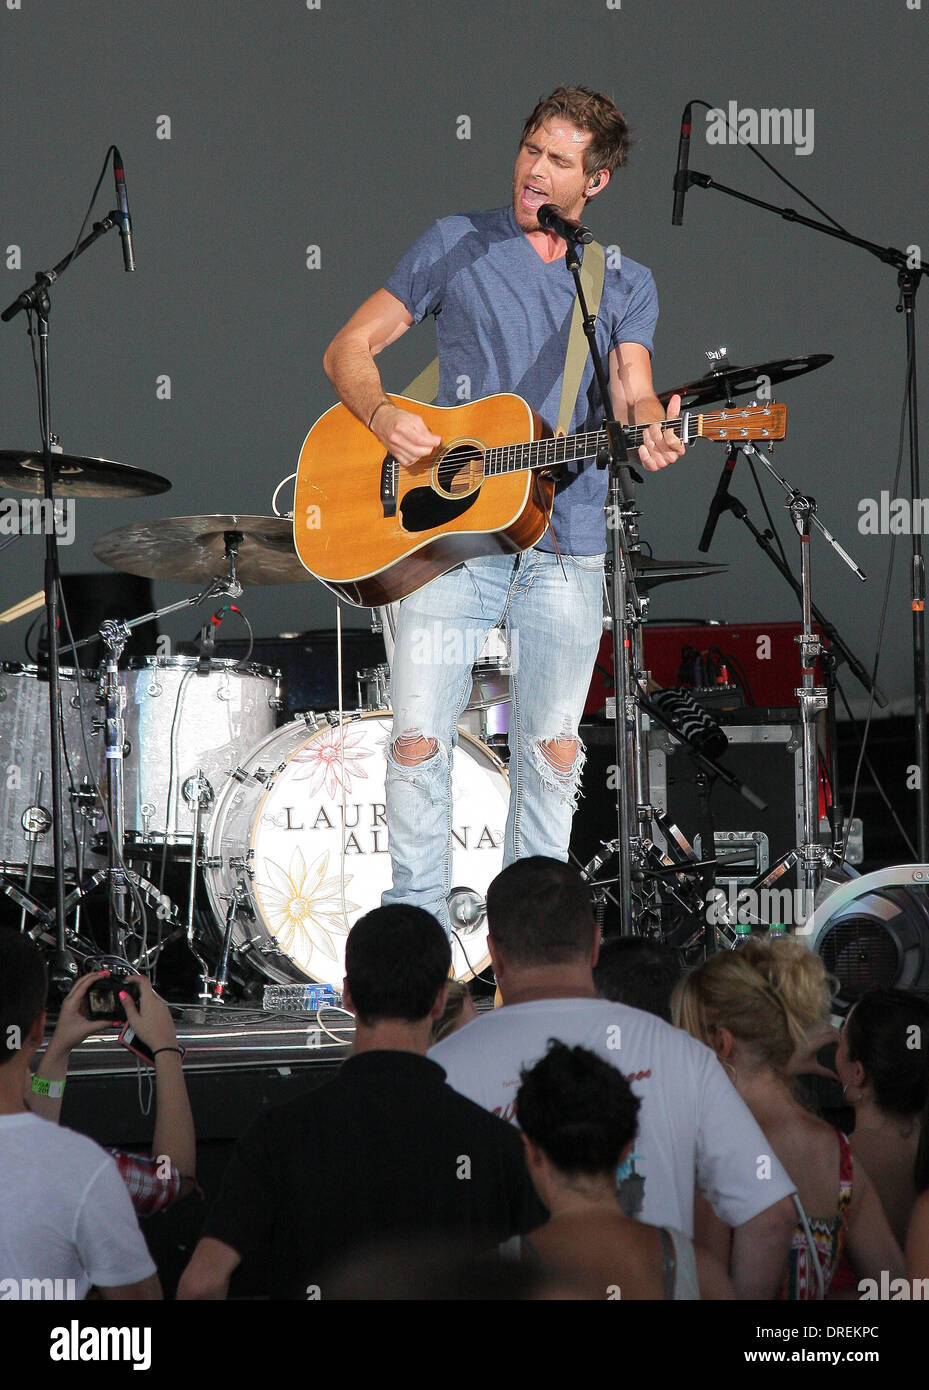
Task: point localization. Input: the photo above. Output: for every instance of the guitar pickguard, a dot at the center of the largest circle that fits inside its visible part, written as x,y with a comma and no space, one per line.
423,510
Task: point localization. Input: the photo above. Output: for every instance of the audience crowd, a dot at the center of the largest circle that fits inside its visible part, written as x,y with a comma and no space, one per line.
616,1128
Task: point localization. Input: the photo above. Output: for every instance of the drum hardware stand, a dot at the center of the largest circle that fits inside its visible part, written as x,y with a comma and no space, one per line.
120,879
36,299
838,649
36,822
198,793
811,857
909,276
215,988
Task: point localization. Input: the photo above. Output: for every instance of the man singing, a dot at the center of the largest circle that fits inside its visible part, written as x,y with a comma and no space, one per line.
503,300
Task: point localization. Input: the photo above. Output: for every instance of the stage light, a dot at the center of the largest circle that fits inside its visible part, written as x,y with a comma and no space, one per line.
873,930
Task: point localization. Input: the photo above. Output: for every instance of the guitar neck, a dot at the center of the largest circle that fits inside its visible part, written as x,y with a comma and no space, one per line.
547,453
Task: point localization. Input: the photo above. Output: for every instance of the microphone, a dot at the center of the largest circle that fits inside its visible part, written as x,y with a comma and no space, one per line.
122,204
572,232
681,177
695,725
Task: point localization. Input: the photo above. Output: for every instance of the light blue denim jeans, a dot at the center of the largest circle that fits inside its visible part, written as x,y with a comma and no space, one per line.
554,621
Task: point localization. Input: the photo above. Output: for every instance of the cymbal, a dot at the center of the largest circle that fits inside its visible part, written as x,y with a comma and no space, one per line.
192,549
650,572
710,389
76,476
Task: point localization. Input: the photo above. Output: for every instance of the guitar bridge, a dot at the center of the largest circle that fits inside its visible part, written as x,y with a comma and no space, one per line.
389,485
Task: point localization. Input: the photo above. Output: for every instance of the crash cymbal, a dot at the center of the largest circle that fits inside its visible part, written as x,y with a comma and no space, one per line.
650,572
76,476
710,389
195,548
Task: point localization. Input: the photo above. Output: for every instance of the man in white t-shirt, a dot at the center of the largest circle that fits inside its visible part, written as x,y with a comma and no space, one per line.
66,1219
695,1131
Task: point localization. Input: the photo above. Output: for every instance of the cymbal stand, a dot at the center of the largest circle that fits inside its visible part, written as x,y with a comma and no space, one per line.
812,857
36,299
120,879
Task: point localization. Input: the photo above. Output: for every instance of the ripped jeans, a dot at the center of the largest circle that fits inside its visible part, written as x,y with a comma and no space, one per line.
554,622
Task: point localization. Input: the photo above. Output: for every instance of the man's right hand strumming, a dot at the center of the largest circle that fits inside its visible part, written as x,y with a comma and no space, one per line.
406,436
349,364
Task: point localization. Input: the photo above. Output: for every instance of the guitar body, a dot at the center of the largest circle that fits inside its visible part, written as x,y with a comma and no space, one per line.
373,531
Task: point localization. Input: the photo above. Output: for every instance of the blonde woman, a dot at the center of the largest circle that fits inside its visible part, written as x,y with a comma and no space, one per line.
754,1007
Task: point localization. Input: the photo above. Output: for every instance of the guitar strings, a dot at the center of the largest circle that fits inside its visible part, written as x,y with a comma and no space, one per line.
507,458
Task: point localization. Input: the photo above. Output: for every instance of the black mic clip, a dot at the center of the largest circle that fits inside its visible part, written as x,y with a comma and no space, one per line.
207,646
574,233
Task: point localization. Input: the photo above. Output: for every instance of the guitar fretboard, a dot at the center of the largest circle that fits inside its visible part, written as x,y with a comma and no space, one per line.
546,453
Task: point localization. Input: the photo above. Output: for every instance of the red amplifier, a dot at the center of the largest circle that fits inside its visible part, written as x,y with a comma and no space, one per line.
763,659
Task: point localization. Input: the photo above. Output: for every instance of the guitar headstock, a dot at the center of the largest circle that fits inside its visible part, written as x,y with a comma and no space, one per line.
768,421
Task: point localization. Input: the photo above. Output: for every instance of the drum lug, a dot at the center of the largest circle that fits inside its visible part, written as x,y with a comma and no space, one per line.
241,774
244,864
332,716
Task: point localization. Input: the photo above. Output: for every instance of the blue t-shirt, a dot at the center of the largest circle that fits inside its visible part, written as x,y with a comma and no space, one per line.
502,318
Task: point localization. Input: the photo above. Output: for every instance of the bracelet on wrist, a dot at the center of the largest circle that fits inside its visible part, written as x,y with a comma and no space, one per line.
41,1086
179,1050
385,401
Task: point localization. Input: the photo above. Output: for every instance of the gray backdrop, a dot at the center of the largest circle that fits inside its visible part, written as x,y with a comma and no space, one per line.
337,126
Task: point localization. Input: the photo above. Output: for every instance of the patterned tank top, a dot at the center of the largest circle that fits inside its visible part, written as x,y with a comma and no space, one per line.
829,1237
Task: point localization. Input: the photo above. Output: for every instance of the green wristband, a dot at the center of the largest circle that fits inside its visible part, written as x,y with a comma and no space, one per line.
43,1087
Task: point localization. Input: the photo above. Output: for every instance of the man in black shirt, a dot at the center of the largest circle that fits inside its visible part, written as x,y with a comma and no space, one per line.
387,1150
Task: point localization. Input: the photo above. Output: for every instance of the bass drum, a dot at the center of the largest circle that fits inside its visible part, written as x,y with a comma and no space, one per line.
295,881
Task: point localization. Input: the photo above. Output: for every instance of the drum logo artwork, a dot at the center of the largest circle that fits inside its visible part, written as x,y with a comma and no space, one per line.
310,879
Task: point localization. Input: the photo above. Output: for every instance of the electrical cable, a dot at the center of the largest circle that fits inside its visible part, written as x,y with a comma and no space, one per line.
908,377
911,848
747,144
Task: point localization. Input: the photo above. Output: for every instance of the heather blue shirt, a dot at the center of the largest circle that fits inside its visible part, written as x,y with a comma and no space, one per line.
502,318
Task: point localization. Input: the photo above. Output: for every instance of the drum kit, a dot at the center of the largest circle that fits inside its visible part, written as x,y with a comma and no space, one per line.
270,836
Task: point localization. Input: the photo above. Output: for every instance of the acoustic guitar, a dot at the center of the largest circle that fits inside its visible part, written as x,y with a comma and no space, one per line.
374,531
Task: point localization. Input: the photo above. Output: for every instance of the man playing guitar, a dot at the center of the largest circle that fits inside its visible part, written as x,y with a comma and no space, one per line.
503,303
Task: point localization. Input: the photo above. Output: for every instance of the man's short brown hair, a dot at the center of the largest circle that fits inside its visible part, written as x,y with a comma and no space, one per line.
588,110
539,912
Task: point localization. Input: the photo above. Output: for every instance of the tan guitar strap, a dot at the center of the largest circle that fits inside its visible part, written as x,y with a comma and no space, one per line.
592,273
425,387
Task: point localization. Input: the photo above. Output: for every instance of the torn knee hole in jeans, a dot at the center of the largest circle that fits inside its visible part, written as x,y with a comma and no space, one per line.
559,762
413,748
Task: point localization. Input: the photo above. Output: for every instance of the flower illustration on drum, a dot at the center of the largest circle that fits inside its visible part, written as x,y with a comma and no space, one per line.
320,761
305,908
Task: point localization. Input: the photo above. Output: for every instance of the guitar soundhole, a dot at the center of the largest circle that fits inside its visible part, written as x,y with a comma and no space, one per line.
460,471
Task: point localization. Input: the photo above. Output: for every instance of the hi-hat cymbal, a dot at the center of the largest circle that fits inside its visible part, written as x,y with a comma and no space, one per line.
193,549
650,572
73,475
710,389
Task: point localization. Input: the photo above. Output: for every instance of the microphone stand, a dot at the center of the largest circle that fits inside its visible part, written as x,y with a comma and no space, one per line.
626,604
908,280
838,649
812,858
36,298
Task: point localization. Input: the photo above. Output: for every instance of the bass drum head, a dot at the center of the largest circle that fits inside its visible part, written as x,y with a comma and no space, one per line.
276,844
